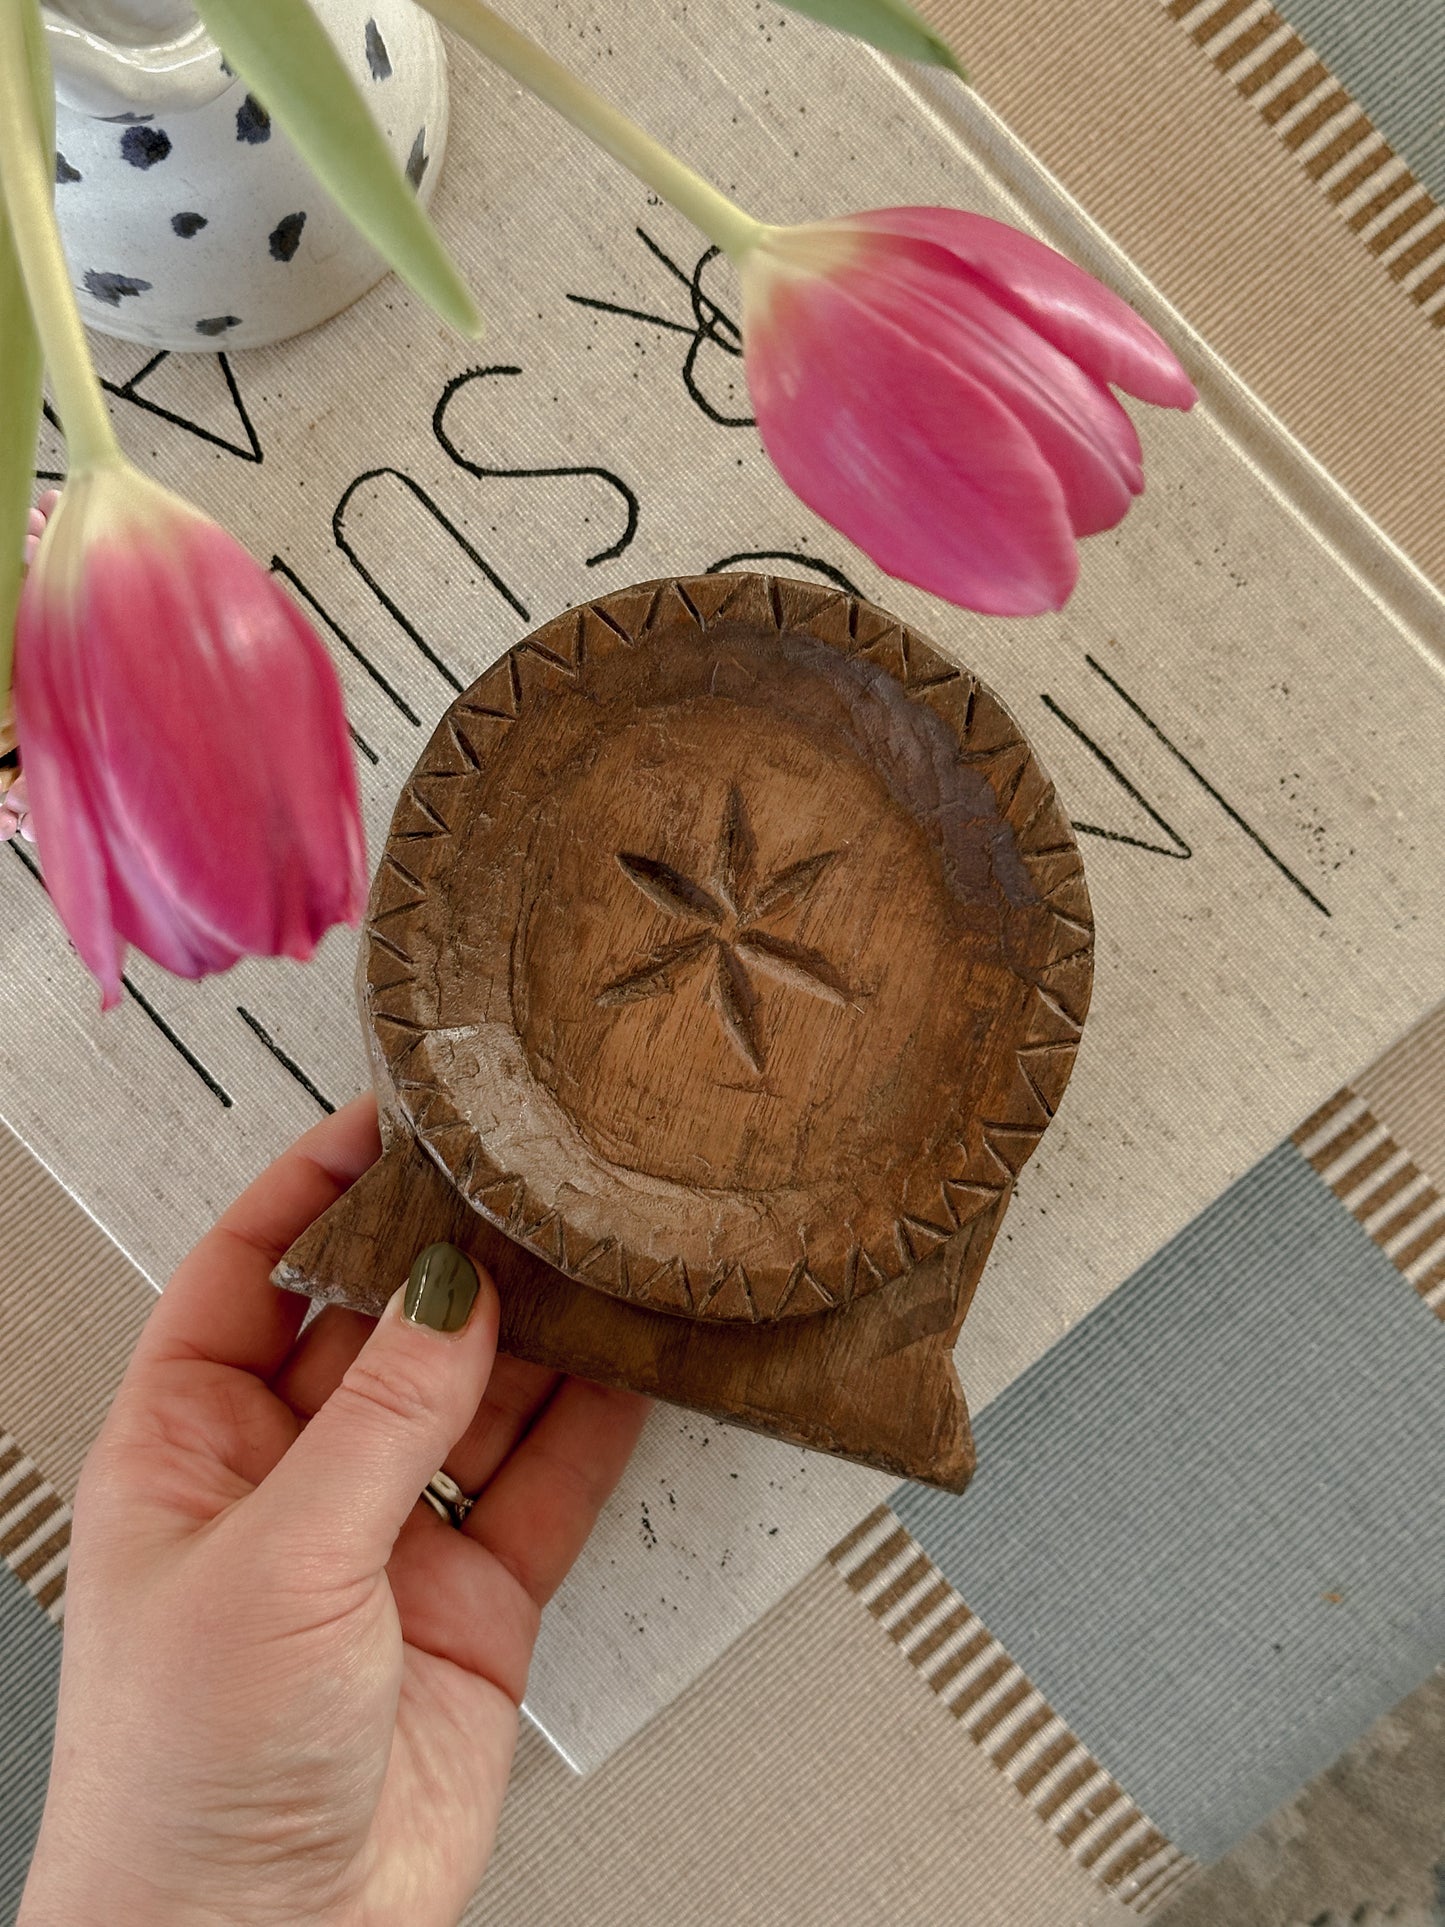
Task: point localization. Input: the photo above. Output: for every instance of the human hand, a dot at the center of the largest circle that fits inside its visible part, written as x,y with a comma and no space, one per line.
289,1690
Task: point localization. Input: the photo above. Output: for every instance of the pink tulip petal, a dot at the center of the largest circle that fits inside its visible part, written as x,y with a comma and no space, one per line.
1080,429
903,450
1085,320
70,840
184,736
249,841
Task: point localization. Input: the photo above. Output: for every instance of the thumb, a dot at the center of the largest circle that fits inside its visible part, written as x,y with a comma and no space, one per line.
352,1477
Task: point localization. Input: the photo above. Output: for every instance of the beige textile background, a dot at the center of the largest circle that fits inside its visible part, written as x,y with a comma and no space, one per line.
71,1306
809,1778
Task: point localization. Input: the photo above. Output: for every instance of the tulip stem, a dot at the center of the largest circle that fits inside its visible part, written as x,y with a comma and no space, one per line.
719,218
27,169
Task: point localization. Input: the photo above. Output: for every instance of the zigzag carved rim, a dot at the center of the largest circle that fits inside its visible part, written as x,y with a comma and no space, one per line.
978,1177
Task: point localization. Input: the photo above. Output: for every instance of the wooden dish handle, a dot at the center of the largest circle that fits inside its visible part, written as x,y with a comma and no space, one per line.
872,1381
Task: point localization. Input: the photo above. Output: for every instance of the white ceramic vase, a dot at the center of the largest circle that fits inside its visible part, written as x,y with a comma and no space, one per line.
188,220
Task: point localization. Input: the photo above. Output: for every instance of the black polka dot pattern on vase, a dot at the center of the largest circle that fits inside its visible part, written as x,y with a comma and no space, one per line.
377,57
187,225
145,146
110,287
286,237
253,123
64,172
417,159
218,324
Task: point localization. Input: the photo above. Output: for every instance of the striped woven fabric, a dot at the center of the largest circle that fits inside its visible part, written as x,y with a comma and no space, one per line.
1382,1187
1006,1717
34,1528
1331,136
1202,1550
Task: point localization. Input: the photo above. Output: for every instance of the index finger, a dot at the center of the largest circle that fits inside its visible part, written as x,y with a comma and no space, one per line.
220,1304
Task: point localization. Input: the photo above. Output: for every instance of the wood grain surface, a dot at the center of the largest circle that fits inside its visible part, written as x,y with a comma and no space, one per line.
729,954
875,1382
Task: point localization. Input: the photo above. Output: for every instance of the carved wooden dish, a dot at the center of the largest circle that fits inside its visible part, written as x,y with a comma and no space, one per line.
726,962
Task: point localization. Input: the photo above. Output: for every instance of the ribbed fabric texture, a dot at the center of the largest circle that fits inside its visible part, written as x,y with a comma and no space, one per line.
1391,58
1406,1091
1208,1524
29,1671
809,1779
73,1306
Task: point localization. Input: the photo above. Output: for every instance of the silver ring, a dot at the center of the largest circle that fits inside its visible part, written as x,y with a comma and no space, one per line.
447,1500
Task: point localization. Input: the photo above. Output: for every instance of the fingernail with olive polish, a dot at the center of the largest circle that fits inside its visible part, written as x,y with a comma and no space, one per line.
441,1290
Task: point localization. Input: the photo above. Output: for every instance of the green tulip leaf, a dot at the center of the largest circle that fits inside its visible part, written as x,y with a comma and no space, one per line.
890,25
286,57
19,428
20,391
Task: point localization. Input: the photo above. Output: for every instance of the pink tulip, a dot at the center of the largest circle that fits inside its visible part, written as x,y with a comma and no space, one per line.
183,738
936,385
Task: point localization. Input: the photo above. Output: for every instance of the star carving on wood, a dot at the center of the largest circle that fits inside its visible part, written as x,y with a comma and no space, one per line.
730,938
